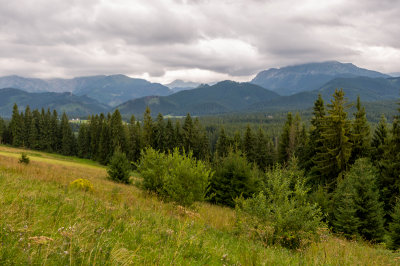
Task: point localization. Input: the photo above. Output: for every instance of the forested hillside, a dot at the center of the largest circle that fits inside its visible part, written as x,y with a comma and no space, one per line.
337,171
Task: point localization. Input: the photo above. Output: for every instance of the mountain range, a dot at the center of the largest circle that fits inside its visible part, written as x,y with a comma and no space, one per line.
307,77
110,90
74,106
286,88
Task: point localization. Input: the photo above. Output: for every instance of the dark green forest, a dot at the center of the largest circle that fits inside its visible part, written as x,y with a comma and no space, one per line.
331,158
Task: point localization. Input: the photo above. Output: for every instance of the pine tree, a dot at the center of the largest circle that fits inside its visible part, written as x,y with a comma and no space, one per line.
360,134
159,134
394,227
119,168
358,210
222,146
188,133
237,141
118,132
2,130
27,126
135,143
17,127
170,141
34,142
83,141
379,139
148,129
314,143
249,145
263,156
105,146
66,141
178,136
234,177
55,132
390,169
287,141
334,156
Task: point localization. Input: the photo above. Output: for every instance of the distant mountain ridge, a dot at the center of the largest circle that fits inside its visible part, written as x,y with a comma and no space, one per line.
308,77
72,105
110,90
180,85
223,97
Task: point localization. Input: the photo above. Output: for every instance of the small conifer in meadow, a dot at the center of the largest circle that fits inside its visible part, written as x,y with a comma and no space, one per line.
24,158
119,168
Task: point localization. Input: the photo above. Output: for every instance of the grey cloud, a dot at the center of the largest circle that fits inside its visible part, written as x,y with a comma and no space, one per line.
236,37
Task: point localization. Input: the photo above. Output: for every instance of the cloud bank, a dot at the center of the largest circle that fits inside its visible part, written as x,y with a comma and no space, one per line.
198,40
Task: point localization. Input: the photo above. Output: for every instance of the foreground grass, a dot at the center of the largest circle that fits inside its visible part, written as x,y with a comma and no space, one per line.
44,221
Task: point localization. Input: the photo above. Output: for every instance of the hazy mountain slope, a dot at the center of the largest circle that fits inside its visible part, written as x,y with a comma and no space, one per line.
111,90
115,89
307,77
225,96
180,85
74,106
26,84
369,90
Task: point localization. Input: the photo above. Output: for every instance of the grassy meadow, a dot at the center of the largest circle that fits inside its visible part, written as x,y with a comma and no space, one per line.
45,221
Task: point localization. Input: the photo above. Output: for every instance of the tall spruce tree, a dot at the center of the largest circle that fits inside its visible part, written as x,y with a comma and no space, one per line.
170,140
159,134
106,148
262,150
394,227
357,207
314,142
360,134
17,127
333,157
222,146
287,141
27,126
135,142
67,137
249,145
379,139
118,132
188,133
390,169
148,129
83,141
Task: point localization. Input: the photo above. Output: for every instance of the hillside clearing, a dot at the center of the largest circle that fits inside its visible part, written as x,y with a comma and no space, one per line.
44,221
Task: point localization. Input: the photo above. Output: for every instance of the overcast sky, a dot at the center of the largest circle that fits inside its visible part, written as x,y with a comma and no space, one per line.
197,40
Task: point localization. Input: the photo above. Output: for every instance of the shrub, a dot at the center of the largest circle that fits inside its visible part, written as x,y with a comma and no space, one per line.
394,227
357,209
153,168
24,158
119,168
82,184
178,177
281,213
234,177
187,179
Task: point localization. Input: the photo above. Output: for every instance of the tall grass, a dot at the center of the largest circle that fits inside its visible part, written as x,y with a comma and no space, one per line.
45,221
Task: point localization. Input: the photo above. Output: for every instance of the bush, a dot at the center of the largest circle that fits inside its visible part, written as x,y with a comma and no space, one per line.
153,168
357,210
234,177
119,168
82,184
281,213
180,178
24,158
